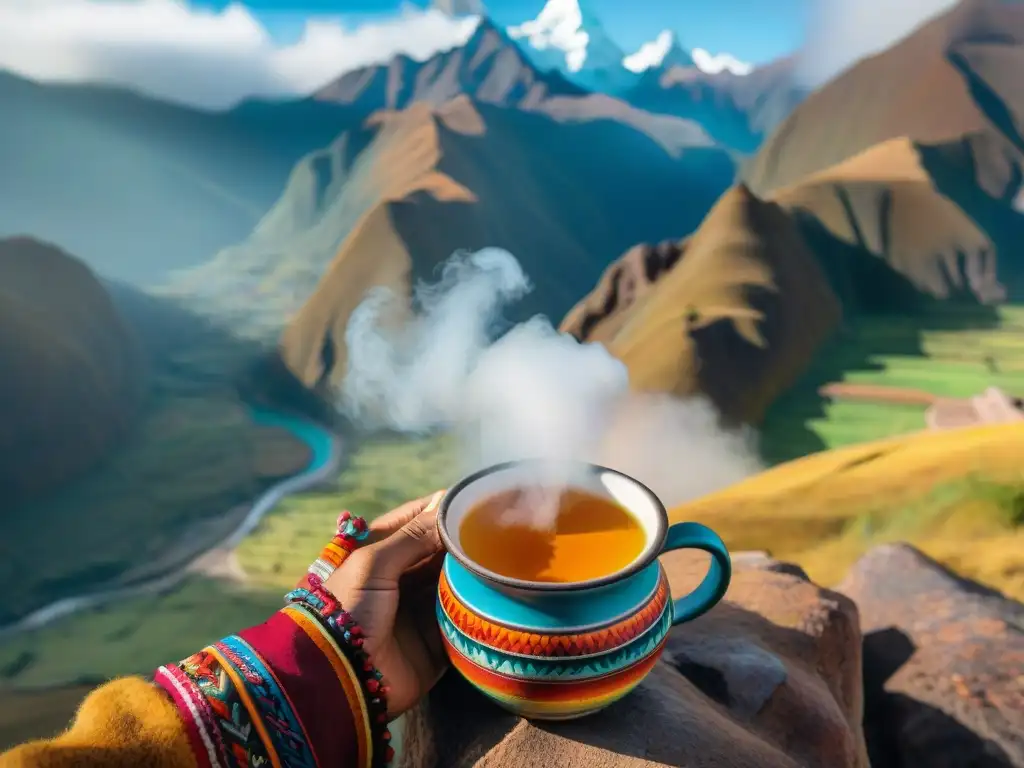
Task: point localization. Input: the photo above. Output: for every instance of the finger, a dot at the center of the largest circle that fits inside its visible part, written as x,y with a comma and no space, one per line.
414,542
392,521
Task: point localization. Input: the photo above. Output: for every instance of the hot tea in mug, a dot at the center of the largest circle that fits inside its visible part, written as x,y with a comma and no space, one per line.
551,534
552,601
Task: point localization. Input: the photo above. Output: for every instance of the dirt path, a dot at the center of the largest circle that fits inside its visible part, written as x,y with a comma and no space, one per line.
877,393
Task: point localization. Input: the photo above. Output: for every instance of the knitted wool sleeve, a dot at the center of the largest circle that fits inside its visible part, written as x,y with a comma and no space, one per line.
127,722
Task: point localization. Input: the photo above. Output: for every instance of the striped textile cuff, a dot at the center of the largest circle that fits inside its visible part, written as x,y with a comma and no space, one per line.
201,725
276,694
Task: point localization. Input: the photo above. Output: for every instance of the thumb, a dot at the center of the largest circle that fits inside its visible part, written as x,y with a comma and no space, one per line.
414,542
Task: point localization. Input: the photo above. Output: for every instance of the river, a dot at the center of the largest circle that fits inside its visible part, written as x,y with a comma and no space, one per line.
325,460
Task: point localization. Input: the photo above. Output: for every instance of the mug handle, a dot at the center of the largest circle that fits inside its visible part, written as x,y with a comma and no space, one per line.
715,583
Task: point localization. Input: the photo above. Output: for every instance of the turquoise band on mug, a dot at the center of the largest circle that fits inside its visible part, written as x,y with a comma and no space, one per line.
716,581
553,611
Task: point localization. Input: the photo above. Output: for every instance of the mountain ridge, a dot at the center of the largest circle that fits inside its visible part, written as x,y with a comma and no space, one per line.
427,181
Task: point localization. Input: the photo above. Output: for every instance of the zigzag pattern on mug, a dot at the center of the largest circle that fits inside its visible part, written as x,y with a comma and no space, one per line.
565,668
511,640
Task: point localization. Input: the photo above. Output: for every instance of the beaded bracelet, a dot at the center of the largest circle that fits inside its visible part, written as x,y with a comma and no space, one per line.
349,635
351,532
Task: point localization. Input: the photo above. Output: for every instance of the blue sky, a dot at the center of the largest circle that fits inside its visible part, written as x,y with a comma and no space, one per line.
752,30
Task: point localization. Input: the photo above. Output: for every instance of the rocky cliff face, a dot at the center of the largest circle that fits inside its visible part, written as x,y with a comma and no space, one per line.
943,664
783,674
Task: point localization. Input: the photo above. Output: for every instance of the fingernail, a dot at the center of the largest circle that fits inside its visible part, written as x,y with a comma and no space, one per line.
435,500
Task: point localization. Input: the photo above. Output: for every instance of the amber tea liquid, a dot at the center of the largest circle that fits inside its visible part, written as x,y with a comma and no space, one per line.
591,536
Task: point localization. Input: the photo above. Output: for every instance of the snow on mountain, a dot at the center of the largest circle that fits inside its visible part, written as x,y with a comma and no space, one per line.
663,51
566,36
721,62
565,30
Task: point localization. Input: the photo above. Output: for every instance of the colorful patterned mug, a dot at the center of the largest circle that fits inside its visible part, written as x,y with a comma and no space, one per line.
555,651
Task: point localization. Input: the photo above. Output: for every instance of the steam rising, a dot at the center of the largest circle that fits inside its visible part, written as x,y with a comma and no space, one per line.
532,393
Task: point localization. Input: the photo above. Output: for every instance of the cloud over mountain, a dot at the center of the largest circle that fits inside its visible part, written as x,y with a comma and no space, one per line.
206,58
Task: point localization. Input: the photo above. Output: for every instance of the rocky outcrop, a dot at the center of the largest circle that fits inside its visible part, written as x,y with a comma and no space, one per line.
768,679
943,664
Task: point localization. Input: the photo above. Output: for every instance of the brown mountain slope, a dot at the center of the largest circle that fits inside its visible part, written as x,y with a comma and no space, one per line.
388,203
72,371
954,76
914,155
883,203
734,312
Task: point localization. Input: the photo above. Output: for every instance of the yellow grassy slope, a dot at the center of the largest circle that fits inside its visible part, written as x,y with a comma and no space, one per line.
951,494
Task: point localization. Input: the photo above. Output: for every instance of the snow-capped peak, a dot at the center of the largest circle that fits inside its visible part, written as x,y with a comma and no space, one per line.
720,62
662,51
564,27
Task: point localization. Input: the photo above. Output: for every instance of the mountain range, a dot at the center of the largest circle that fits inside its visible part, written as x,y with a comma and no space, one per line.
142,167
567,36
857,201
864,201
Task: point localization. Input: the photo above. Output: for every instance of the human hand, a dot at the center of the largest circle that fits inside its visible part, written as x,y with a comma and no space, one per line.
389,586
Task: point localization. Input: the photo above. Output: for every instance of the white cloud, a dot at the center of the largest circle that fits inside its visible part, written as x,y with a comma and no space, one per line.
719,62
210,59
650,54
842,31
559,25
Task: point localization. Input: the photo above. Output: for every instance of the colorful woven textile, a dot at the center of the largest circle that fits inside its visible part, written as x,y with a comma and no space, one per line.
279,694
351,532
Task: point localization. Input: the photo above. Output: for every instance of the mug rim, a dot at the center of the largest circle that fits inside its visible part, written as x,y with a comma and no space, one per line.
644,559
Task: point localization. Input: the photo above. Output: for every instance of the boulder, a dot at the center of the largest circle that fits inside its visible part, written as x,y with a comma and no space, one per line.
943,664
770,678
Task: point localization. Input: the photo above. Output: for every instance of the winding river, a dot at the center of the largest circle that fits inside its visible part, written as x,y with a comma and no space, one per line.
325,448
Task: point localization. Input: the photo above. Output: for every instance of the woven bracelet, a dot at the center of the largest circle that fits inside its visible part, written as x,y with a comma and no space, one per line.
349,635
351,532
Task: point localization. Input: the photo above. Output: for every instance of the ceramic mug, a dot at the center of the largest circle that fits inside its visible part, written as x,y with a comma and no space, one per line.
555,651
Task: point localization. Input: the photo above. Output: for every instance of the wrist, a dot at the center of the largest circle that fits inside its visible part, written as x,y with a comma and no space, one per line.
318,604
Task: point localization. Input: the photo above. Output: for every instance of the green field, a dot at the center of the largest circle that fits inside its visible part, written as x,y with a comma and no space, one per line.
59,663
381,475
955,354
132,637
137,635
154,503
